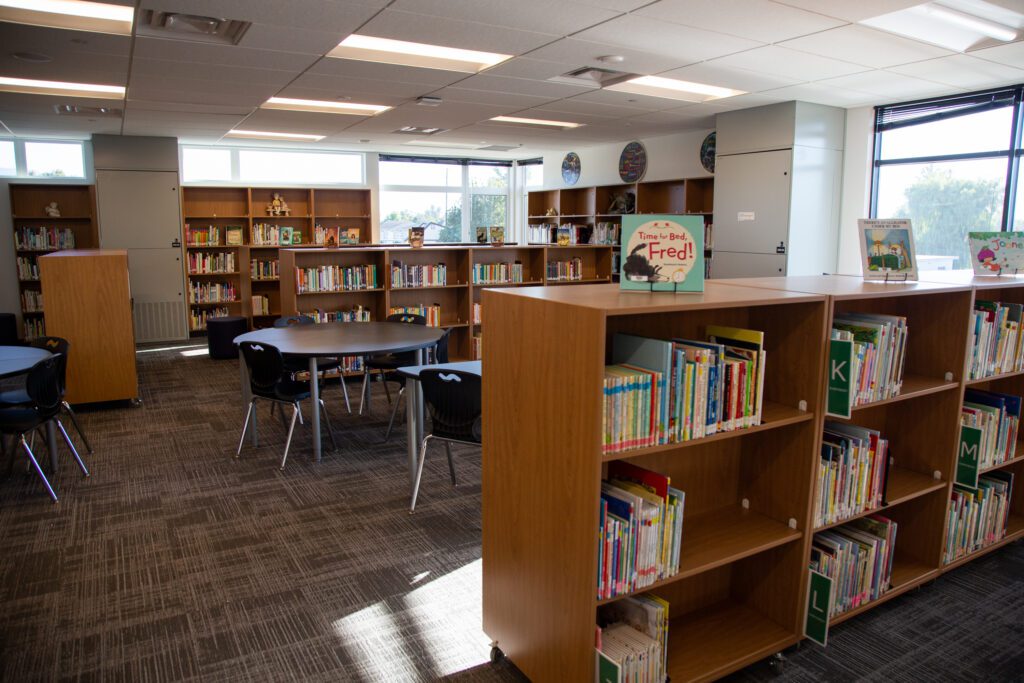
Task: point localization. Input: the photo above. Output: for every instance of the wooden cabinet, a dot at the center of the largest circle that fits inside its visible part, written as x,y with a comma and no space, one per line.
88,302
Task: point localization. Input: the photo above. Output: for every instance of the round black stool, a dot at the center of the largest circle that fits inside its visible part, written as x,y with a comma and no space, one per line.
221,333
8,330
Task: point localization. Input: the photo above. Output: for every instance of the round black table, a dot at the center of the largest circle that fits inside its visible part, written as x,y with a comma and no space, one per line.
17,360
338,339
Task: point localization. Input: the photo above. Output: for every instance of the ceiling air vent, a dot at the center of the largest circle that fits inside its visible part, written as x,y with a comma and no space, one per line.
191,27
499,148
419,130
78,110
592,77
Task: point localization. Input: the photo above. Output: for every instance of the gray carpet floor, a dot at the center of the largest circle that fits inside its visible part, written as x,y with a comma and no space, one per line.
175,562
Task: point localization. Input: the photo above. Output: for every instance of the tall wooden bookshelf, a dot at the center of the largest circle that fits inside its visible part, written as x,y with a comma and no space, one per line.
77,205
739,595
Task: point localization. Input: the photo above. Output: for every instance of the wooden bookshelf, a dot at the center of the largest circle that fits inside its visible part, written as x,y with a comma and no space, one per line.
77,205
739,596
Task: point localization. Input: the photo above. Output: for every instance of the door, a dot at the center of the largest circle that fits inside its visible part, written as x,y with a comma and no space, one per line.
752,202
140,211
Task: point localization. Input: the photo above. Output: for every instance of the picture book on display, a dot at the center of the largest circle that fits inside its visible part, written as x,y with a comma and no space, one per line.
997,253
662,253
887,249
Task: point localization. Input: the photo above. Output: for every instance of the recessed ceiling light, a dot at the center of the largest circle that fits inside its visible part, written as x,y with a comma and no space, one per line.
267,135
611,59
72,14
34,87
535,122
673,89
984,26
959,25
32,57
324,106
387,51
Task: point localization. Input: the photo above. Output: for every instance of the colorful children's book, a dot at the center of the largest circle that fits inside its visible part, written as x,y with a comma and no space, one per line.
997,253
662,253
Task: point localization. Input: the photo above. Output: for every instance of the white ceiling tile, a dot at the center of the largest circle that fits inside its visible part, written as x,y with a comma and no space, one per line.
851,11
501,99
57,42
730,104
1011,54
573,53
313,123
820,94
963,71
331,87
580,107
448,115
525,67
76,126
760,20
671,40
529,15
887,84
779,61
226,55
80,67
137,115
174,108
626,99
159,70
863,45
617,5
520,85
344,17
347,94
287,39
351,68
23,105
715,73
421,28
556,113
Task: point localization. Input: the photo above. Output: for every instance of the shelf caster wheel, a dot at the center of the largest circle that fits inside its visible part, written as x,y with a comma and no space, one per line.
496,654
777,663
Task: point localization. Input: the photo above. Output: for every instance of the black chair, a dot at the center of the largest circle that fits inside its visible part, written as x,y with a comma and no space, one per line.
294,364
19,396
387,362
270,380
454,401
44,389
439,354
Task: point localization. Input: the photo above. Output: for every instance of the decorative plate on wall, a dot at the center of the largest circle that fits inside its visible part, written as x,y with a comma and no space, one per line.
633,162
707,153
571,168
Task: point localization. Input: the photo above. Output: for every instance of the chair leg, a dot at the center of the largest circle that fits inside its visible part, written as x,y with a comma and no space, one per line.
291,430
344,390
245,428
419,473
71,447
327,422
394,412
364,398
78,427
39,470
284,420
451,463
384,381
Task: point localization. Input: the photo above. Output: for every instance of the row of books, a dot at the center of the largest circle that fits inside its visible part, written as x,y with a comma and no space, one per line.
211,292
852,472
354,315
334,236
565,270
335,278
28,269
31,300
42,238
211,262
415,275
478,313
990,421
660,392
432,313
265,234
34,327
632,640
478,346
977,516
495,273
641,529
857,557
260,305
879,348
265,270
996,341
206,236
197,317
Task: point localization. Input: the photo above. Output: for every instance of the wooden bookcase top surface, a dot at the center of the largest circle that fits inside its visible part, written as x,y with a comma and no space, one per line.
967,278
78,253
846,286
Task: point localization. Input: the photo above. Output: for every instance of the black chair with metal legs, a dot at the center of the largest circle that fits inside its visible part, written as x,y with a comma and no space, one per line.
440,355
302,364
44,390
453,399
19,397
270,380
384,363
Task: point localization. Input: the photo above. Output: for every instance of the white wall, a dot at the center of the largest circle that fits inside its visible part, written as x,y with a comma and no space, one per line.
856,194
668,157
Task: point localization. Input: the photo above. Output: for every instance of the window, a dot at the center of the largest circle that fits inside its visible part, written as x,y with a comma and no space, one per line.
7,164
949,166
205,164
54,159
449,197
271,166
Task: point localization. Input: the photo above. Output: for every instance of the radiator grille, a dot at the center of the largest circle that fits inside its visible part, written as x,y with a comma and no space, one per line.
159,321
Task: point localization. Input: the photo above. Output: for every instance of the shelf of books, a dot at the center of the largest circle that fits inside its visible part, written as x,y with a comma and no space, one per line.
691,449
37,233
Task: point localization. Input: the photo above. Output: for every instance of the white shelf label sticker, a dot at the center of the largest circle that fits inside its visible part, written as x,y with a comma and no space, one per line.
745,216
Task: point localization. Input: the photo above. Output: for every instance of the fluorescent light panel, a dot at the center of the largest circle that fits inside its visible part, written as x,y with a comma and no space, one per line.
971,22
673,89
535,122
70,14
324,106
34,87
387,51
959,25
268,135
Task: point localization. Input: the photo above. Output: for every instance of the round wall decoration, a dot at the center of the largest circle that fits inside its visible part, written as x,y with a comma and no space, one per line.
707,153
632,162
571,168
